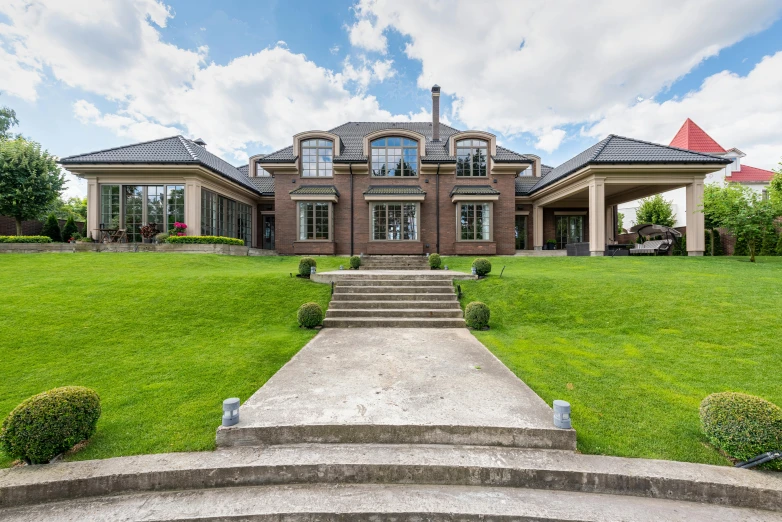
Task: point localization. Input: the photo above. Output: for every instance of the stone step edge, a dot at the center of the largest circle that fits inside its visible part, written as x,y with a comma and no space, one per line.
483,436
400,502
393,464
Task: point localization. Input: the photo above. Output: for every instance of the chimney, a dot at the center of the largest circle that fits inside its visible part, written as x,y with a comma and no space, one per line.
200,142
436,113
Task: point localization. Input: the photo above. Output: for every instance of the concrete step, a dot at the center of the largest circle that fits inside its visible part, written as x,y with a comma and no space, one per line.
398,296
394,289
360,502
433,465
395,267
394,305
395,282
400,322
382,313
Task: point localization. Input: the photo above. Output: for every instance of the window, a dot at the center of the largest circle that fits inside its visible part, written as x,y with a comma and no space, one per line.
244,223
316,158
156,207
526,172
225,217
395,222
109,206
471,157
570,229
133,206
260,171
175,205
313,221
475,221
134,211
521,232
394,157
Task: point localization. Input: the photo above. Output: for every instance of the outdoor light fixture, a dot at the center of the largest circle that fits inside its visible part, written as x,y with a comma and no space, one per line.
312,270
231,411
427,255
342,267
562,415
446,267
474,272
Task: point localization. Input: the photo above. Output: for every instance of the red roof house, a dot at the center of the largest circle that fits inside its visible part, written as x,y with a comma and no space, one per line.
749,174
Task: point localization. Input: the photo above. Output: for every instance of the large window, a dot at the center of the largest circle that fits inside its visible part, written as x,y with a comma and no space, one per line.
134,211
314,220
244,223
316,158
475,221
570,229
175,205
395,221
471,157
109,206
394,157
225,217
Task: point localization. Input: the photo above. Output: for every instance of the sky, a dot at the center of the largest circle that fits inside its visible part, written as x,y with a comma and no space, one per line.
548,78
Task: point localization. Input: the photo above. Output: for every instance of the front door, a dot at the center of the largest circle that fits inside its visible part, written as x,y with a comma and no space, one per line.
521,232
570,229
268,233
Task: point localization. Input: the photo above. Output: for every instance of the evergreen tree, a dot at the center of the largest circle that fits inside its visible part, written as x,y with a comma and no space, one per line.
51,228
769,245
707,242
715,235
69,229
779,245
741,248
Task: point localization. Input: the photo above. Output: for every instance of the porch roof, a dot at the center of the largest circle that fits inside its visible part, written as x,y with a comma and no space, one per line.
474,190
315,190
395,190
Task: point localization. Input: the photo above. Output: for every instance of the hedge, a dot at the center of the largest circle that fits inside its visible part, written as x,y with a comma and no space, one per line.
482,266
25,239
49,423
204,240
304,266
477,315
742,426
355,262
435,261
310,315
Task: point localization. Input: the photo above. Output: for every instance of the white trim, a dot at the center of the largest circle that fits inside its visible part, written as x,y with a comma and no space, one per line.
467,197
315,197
405,198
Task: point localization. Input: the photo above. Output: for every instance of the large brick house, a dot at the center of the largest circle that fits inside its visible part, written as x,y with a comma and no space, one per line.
389,188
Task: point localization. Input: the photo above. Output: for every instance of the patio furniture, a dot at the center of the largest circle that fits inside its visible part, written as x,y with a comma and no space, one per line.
113,235
619,249
577,249
656,247
661,246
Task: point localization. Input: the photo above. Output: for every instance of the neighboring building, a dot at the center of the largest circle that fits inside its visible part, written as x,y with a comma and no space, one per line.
692,137
388,188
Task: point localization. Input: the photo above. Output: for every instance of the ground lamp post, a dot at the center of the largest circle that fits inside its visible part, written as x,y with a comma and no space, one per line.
231,411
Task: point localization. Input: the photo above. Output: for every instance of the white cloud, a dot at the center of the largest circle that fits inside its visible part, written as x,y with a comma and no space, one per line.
549,141
135,127
334,49
16,78
534,66
367,72
743,112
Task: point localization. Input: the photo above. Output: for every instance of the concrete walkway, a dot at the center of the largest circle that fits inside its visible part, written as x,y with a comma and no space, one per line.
412,385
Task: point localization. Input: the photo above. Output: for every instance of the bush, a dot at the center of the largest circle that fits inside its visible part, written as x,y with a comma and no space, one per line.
742,426
741,248
355,262
204,240
476,315
435,261
49,423
161,238
680,247
482,266
717,243
70,230
51,228
779,245
25,239
310,315
304,266
769,245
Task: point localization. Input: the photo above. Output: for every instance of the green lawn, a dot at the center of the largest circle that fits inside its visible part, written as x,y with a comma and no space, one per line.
635,344
163,338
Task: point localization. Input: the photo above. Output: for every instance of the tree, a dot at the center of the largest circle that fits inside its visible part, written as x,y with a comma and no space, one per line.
30,180
775,189
69,229
7,120
716,197
779,245
74,206
51,228
769,245
656,210
620,221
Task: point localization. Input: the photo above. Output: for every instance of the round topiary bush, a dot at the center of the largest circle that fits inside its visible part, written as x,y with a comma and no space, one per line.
49,423
742,426
435,261
355,262
310,315
482,266
304,266
476,315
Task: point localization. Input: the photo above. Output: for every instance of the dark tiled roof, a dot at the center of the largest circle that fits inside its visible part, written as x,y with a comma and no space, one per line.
281,156
524,184
395,190
244,169
264,184
176,150
316,190
474,190
545,169
620,150
508,156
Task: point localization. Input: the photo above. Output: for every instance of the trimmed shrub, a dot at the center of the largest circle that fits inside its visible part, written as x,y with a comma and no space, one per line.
680,247
355,262
435,261
482,266
304,266
717,243
476,315
25,239
310,315
769,245
70,230
742,426
204,240
707,242
161,238
49,423
51,228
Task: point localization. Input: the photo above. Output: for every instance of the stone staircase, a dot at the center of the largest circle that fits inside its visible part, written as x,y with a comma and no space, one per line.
394,263
389,300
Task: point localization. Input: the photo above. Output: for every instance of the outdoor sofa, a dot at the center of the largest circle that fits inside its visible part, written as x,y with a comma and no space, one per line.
656,247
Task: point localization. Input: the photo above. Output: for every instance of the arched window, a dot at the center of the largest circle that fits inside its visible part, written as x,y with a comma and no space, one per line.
394,157
471,157
316,158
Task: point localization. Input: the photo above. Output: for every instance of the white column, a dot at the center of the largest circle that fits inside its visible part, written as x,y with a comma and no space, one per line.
537,227
610,226
597,217
255,224
696,227
93,208
193,208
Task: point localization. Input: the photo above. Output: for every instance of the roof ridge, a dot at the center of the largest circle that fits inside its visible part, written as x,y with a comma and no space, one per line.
186,144
121,147
666,146
602,147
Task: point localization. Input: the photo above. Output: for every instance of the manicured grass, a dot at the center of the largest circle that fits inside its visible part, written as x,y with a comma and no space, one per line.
163,338
635,344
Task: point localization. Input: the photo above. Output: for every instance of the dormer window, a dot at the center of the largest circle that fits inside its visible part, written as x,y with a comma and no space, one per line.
260,171
471,157
394,156
316,158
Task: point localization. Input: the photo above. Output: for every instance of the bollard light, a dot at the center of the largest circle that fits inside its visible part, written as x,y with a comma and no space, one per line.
342,267
446,267
231,411
427,255
562,415
312,270
474,272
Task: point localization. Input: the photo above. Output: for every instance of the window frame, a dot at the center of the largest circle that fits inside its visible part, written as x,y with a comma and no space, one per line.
416,223
482,145
459,205
326,144
330,226
413,145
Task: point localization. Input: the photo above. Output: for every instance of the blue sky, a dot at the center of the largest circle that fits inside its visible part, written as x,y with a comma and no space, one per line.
245,76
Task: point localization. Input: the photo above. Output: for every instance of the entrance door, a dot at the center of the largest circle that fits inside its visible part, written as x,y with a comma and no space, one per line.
521,232
570,229
268,233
